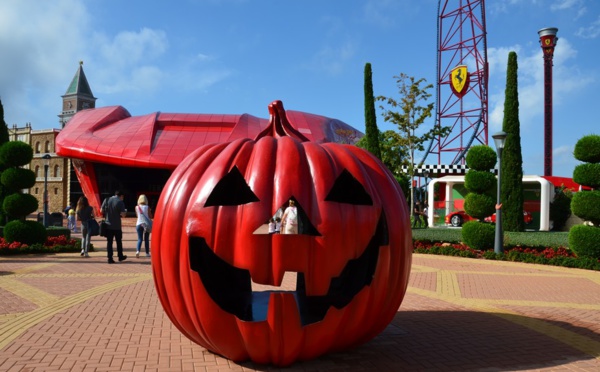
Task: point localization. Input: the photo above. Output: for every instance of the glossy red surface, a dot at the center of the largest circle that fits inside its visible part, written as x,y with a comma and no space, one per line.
162,140
276,167
464,217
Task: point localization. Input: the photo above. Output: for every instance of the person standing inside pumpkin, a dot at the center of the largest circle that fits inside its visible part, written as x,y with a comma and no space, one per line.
142,210
84,213
113,209
289,220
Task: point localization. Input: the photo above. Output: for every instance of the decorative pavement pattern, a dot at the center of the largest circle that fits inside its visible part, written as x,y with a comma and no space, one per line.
63,312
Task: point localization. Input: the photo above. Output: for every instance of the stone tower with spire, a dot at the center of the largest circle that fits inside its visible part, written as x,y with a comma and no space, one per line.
78,97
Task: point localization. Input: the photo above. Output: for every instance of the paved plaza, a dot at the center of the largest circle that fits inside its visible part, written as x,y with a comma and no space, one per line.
63,312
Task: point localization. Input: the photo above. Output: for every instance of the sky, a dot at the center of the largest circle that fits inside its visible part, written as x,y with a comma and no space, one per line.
237,56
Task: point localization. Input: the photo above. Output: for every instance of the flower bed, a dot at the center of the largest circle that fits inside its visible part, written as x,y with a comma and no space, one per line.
53,244
560,256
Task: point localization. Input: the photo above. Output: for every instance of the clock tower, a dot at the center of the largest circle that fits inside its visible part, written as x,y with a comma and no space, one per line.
78,97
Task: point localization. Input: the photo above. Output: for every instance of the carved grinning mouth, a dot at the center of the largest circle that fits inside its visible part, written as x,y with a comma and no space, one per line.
231,288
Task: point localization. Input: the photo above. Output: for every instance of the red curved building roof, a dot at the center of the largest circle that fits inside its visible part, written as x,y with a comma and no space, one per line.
110,135
162,140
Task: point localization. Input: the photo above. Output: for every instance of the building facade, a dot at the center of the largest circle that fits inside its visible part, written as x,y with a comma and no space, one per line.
61,181
42,142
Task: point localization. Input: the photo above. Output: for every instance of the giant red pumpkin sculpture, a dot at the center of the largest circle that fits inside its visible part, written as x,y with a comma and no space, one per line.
352,254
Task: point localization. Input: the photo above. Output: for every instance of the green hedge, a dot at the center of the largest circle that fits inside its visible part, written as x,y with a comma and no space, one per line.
586,205
479,181
534,239
26,232
478,235
585,241
18,178
587,174
481,157
479,206
18,204
16,153
587,149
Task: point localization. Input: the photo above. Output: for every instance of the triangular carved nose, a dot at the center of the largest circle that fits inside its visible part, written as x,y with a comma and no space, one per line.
289,219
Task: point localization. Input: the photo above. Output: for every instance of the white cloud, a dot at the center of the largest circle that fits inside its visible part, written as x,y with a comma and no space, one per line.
566,4
41,43
131,48
332,59
590,32
567,78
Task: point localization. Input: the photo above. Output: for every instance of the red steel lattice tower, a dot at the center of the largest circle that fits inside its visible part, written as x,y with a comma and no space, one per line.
462,79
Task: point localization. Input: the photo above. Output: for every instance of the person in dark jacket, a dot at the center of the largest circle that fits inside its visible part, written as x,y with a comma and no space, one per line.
113,209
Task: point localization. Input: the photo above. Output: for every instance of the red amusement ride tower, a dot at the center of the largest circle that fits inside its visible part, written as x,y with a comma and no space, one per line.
462,79
548,41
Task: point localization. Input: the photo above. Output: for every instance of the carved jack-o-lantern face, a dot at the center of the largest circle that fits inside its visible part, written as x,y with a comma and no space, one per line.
351,254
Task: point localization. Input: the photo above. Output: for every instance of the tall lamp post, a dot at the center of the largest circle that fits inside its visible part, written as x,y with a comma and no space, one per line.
499,140
46,166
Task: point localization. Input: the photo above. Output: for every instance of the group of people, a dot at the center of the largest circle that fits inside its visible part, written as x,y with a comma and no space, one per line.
288,220
420,215
113,209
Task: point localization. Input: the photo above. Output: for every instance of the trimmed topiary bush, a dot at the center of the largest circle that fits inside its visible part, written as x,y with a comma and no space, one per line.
18,178
479,181
586,205
478,235
479,206
587,174
20,204
26,232
587,149
585,241
16,154
481,158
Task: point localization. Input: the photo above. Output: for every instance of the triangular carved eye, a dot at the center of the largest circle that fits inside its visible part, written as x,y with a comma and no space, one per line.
347,189
231,190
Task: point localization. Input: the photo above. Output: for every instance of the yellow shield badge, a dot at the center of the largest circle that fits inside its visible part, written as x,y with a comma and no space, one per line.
459,80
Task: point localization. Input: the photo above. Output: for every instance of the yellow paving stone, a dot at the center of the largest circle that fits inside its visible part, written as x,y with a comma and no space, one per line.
27,292
32,268
15,327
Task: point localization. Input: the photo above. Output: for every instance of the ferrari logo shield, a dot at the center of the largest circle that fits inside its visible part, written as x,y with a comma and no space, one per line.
459,80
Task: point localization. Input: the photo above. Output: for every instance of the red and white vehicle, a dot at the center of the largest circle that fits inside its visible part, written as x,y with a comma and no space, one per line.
458,218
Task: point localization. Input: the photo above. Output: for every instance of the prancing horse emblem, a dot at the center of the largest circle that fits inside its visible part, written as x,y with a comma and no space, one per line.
459,80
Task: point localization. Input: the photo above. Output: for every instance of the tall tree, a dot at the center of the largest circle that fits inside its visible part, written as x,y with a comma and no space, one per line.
3,139
410,117
511,192
371,130
3,127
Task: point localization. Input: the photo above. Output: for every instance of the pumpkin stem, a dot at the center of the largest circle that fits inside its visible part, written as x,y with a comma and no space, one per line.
279,125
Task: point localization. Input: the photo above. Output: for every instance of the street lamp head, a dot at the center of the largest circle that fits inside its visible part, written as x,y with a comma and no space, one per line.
499,140
46,158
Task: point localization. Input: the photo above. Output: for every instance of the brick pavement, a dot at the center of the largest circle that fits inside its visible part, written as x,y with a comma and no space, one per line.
66,313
